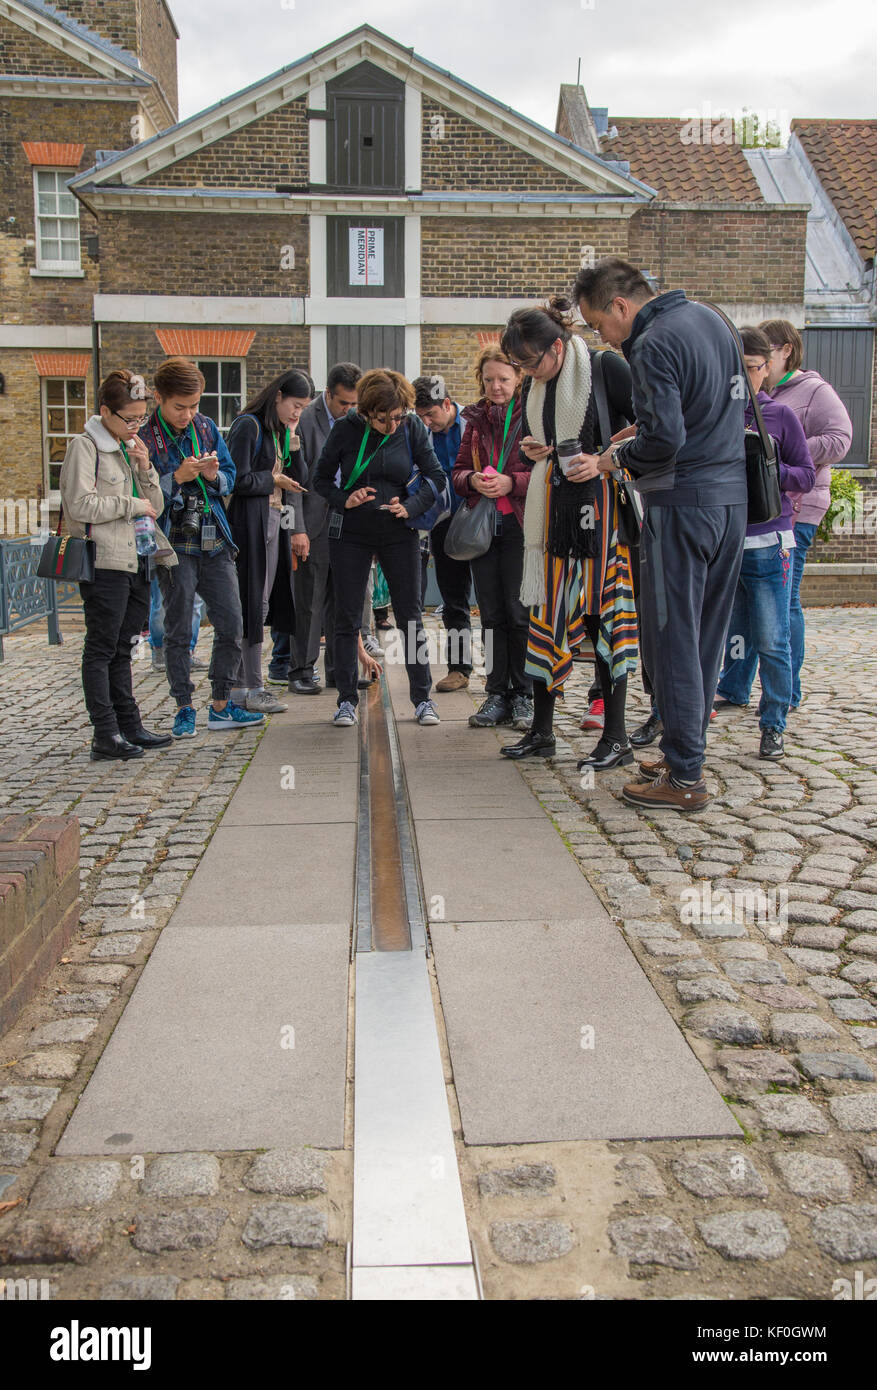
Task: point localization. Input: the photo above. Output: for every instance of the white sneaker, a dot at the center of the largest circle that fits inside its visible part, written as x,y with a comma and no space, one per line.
372,646
263,702
426,713
345,715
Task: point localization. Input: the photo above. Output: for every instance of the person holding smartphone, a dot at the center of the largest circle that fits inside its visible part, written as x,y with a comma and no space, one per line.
107,483
576,575
363,473
269,471
196,472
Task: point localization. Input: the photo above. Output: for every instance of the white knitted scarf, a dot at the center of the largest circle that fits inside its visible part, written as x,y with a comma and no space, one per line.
570,404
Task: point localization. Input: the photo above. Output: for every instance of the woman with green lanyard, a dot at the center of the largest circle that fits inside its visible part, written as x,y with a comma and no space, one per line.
111,493
363,473
489,464
270,470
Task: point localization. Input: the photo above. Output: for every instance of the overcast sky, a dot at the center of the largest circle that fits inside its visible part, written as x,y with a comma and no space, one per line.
639,57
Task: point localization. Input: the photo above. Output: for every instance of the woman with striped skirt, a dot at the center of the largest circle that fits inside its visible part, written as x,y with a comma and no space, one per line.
577,580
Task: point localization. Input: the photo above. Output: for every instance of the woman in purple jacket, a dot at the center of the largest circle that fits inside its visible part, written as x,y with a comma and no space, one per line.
829,434
758,634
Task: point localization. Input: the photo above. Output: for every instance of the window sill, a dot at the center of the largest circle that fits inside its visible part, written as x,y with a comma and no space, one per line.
58,274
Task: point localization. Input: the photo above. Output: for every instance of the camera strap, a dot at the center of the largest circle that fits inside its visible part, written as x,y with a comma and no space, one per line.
196,453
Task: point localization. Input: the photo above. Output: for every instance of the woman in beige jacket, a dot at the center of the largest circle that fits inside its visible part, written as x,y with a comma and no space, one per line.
106,481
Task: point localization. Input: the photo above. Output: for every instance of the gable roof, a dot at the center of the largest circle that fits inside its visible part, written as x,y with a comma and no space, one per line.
843,155
681,172
47,21
365,43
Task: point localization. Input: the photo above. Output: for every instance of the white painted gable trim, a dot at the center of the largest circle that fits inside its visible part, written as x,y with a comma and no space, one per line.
91,55
299,79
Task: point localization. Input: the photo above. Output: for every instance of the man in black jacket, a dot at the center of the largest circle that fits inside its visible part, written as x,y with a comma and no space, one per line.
689,463
312,579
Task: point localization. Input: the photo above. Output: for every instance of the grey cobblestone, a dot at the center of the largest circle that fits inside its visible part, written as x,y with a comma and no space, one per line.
284,1223
193,1228
790,1115
847,1232
647,1240
181,1175
289,1173
728,1173
856,1112
75,1185
811,1175
746,1235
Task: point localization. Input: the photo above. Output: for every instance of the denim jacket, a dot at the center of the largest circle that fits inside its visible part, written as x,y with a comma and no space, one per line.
168,455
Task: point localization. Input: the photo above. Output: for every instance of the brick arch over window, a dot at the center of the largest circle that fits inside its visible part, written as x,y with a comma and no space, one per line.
205,342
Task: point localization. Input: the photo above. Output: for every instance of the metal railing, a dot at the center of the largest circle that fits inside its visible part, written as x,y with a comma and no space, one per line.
24,597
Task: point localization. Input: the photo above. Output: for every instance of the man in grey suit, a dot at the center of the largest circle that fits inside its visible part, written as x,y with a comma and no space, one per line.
312,580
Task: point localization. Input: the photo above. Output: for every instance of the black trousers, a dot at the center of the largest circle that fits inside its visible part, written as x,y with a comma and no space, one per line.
314,610
689,566
116,608
454,580
400,560
505,622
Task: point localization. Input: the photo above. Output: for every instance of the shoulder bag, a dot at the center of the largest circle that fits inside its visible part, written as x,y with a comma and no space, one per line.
762,466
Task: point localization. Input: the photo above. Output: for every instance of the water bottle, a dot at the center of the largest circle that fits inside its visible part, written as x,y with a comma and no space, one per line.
144,535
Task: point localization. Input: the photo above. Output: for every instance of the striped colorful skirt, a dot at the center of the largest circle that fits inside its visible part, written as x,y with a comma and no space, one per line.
574,588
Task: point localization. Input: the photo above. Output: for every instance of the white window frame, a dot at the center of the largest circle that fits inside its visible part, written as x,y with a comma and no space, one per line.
239,361
53,494
49,266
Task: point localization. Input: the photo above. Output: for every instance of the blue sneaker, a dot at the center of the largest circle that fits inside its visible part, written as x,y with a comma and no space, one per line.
232,717
184,724
345,715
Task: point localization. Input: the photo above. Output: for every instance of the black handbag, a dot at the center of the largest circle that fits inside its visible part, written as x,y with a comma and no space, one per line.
630,509
69,559
470,533
762,465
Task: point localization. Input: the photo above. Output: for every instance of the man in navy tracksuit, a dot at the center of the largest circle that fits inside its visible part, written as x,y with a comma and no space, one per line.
689,462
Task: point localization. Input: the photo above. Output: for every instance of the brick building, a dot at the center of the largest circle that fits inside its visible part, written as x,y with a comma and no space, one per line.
360,203
96,77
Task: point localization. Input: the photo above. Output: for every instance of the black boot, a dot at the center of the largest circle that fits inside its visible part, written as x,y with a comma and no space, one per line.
608,753
539,741
147,738
105,746
648,731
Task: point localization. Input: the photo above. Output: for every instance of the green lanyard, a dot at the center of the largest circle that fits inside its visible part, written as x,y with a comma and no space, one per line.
360,466
508,420
285,456
128,461
783,379
196,453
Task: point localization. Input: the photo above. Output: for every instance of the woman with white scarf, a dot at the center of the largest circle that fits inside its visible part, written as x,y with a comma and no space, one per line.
577,580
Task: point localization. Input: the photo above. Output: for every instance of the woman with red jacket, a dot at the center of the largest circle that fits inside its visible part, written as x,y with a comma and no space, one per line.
489,464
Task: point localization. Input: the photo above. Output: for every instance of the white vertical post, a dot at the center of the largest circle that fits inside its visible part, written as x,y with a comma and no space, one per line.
413,136
317,135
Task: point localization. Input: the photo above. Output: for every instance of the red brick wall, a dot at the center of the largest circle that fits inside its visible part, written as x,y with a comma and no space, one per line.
136,347
856,541
39,903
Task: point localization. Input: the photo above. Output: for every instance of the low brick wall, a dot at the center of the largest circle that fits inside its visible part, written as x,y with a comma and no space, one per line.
826,585
39,903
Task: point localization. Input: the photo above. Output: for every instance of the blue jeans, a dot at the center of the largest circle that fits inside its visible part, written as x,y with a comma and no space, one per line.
804,533
156,618
758,636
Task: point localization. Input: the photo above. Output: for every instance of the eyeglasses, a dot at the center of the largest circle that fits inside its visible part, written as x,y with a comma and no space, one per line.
531,366
396,418
134,424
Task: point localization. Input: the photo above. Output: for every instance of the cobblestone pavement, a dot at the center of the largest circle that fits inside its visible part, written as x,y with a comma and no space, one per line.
776,991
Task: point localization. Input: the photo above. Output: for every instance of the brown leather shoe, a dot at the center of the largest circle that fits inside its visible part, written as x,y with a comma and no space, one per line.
454,680
650,768
662,795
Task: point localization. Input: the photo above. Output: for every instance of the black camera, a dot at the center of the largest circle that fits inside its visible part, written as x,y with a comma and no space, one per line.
193,510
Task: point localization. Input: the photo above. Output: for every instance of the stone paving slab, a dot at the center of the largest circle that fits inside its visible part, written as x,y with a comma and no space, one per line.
555,1033
271,874
236,1041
